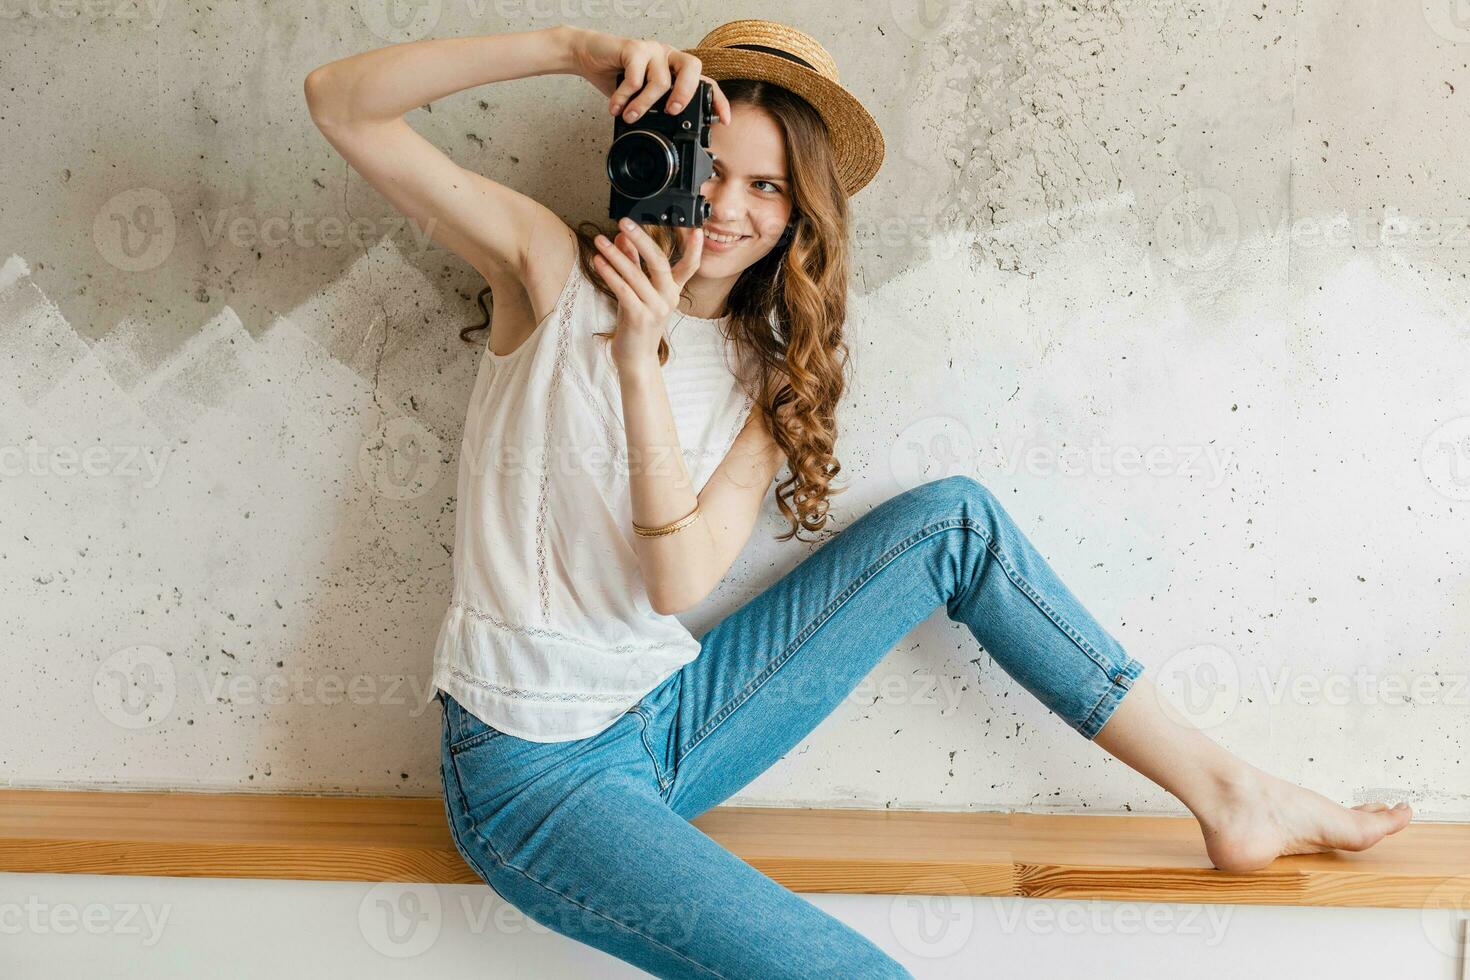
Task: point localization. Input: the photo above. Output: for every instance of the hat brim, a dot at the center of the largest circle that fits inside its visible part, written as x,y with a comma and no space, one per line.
857,142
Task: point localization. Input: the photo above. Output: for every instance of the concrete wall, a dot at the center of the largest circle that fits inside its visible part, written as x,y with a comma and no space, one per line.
1223,242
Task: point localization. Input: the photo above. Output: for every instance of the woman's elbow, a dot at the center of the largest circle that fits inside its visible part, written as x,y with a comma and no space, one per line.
674,598
316,89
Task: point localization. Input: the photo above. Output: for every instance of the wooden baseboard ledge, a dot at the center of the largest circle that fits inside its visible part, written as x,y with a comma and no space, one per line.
1121,858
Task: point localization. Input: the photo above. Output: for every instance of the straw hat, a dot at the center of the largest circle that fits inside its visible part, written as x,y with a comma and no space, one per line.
773,52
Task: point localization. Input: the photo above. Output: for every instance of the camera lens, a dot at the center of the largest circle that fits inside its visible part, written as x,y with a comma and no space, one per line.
641,163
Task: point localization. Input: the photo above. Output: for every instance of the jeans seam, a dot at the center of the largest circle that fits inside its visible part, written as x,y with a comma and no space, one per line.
873,568
805,633
466,853
1122,681
658,773
1020,582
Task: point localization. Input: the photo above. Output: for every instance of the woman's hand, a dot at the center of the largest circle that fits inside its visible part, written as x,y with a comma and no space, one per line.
647,288
599,57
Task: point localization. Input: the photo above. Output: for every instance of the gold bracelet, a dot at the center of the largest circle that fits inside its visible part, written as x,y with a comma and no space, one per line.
658,532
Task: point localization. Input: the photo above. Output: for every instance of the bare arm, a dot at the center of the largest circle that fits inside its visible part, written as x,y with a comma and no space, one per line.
680,569
359,102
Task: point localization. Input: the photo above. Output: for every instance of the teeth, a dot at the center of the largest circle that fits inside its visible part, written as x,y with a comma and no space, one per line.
726,239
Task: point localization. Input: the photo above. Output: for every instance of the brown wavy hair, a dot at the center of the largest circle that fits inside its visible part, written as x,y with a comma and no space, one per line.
787,310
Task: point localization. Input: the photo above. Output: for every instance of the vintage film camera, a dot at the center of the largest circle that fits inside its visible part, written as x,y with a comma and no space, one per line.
658,163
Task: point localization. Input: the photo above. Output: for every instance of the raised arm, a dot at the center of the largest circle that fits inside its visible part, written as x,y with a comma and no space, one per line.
359,103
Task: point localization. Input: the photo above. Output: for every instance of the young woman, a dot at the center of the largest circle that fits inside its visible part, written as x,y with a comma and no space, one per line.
636,400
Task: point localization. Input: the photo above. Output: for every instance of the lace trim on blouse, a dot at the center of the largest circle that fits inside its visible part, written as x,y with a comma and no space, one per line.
543,505
516,692
550,634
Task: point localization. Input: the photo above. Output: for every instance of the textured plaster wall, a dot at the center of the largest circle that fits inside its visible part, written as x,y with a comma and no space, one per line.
1185,283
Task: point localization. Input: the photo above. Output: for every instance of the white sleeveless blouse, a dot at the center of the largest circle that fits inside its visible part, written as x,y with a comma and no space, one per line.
549,635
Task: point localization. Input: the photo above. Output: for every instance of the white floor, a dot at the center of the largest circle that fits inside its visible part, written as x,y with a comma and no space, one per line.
98,926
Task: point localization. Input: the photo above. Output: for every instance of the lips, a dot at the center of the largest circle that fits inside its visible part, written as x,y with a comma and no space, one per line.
724,238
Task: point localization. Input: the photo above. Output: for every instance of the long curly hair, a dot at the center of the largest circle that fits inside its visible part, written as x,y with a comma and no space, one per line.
787,311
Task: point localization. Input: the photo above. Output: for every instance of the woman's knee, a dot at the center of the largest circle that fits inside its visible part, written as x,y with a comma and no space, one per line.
952,496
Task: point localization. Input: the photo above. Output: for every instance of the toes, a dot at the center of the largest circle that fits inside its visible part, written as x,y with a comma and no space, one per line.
1377,821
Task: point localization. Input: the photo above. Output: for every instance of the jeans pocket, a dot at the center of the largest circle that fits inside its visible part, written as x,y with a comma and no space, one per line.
463,730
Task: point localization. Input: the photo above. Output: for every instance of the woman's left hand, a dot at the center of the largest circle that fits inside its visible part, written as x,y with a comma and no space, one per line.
646,286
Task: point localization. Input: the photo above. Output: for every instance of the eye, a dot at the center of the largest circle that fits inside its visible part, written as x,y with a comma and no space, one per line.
769,184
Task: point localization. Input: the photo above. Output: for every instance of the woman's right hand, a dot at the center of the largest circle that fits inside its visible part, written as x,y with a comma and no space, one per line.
652,66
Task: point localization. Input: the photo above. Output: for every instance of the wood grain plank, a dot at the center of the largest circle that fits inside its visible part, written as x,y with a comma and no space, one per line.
338,838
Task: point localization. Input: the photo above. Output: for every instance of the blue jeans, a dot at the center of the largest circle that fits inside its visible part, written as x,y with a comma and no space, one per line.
592,837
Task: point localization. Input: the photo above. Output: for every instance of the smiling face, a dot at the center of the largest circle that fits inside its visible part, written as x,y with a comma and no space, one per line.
750,194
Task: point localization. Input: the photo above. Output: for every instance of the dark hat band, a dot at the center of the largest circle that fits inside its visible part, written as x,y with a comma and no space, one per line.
775,51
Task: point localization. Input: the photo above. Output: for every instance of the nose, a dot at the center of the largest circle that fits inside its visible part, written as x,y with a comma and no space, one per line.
724,201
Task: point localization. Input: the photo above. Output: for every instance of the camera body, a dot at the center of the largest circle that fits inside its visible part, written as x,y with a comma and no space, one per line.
658,163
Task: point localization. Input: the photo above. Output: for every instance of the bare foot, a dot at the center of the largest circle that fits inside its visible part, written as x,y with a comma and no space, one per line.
1260,818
